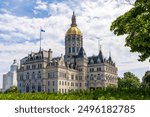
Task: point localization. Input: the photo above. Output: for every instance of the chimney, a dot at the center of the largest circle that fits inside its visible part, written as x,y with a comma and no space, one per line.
50,54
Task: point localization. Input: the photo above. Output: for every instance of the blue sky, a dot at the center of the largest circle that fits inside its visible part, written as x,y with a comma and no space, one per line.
20,21
25,7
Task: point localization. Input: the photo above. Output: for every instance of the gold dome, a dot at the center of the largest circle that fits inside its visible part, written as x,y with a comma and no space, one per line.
74,31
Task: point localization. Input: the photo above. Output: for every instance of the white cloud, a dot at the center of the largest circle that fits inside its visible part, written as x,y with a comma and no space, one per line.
40,5
93,18
5,11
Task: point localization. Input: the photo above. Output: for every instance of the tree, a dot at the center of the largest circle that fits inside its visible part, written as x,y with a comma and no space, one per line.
136,24
12,89
129,81
146,78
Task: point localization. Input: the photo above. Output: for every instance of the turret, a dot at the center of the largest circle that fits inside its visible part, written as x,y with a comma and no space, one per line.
73,39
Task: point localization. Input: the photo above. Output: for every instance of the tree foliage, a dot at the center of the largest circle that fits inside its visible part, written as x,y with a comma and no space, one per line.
129,81
146,78
136,24
12,89
109,93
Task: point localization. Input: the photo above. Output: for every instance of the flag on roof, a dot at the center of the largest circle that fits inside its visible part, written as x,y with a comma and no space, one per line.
42,30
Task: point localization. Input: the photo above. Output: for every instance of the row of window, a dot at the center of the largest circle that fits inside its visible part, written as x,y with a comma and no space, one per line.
35,57
108,77
35,66
112,80
49,90
52,75
66,90
73,49
61,74
111,70
74,38
93,70
64,83
28,76
75,77
33,88
98,78
80,69
95,76
23,84
49,83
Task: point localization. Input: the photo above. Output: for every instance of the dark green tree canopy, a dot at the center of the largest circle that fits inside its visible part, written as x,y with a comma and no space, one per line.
12,89
129,81
146,78
136,24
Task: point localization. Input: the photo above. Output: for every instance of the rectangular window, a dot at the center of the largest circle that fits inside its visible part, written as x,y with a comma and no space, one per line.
73,49
48,83
48,90
72,84
77,49
51,75
48,75
72,77
80,77
80,84
65,83
28,67
53,90
33,76
80,70
76,77
33,66
39,75
69,50
98,69
59,82
76,84
91,69
27,76
53,83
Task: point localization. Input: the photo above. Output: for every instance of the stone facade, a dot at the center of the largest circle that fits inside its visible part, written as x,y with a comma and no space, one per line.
40,72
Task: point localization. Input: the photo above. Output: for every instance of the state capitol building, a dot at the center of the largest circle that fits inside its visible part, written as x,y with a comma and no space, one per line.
40,72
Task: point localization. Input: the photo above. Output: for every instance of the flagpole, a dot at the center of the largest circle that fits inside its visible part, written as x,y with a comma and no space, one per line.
41,30
40,38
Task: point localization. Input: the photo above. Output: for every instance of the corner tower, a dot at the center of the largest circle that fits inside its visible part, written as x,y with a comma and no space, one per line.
73,39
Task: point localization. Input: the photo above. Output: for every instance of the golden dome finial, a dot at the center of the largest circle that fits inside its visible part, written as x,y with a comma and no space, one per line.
73,30
73,20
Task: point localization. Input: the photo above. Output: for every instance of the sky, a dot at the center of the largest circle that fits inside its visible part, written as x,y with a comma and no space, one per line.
20,22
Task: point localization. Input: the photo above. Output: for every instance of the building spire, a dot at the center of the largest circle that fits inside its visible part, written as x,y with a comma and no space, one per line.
109,53
73,24
110,59
99,46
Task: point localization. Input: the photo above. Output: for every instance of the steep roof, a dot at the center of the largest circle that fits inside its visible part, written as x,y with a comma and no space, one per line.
82,53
